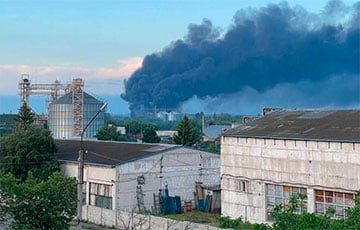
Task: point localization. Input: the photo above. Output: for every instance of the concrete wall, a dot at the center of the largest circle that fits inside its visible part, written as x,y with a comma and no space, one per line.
130,220
93,174
310,164
181,168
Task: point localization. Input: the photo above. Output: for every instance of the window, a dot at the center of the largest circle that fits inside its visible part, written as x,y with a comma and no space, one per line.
241,186
280,195
339,201
101,195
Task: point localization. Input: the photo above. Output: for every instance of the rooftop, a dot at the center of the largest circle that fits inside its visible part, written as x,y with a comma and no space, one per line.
214,131
67,99
107,153
322,125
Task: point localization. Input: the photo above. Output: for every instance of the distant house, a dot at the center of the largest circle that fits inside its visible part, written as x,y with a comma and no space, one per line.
121,130
213,132
169,115
127,175
166,135
313,152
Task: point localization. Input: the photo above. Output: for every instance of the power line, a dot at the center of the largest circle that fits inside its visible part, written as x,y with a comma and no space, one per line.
27,163
29,156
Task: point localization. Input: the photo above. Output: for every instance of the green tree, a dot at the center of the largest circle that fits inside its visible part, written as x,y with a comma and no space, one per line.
31,204
289,218
28,150
150,135
134,127
213,147
109,133
353,215
185,135
25,118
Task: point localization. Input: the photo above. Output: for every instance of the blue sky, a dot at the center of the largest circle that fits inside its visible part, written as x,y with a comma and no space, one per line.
101,41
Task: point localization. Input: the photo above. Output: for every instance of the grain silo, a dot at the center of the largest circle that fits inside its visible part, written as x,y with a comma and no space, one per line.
69,114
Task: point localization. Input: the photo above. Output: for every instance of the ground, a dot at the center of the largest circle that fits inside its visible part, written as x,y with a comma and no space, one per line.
89,226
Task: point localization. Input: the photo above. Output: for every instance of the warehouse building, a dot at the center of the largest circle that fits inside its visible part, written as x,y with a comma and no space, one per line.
127,176
313,152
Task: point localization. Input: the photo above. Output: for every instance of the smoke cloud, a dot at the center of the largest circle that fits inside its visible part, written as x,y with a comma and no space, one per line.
278,55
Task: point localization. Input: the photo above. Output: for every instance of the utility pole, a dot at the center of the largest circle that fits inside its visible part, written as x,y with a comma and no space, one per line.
81,169
79,187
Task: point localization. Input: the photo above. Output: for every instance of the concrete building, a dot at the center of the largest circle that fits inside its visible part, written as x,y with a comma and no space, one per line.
166,136
169,115
313,152
127,175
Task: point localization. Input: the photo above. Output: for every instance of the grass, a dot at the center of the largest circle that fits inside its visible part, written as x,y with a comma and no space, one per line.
88,226
197,217
208,218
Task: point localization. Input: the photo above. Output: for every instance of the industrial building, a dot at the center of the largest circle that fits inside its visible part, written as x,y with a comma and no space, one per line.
285,152
127,176
69,107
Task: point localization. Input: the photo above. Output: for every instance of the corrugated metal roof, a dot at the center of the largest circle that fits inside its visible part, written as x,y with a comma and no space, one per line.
327,125
107,153
67,99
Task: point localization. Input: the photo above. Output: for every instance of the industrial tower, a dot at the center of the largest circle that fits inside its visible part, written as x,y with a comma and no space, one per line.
53,91
76,88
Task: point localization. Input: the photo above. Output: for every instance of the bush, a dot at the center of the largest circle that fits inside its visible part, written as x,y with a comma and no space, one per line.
226,222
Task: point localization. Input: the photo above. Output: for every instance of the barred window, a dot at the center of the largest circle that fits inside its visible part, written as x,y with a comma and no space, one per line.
101,195
339,201
241,186
280,195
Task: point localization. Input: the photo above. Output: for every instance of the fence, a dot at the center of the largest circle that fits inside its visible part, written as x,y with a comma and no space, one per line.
133,221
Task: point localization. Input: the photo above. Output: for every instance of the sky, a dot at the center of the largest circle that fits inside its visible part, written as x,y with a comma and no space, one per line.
103,42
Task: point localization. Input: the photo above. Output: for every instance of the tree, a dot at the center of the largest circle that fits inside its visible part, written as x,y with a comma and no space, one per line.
31,204
150,135
29,148
25,117
213,147
134,127
185,135
287,218
109,133
353,215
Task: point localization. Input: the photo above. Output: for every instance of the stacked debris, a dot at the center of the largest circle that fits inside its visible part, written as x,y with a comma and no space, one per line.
207,199
165,204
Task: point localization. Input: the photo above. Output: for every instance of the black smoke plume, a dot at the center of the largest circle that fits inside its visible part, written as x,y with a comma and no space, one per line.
263,50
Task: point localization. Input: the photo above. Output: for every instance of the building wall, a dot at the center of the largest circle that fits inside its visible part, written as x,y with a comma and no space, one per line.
181,168
93,174
255,162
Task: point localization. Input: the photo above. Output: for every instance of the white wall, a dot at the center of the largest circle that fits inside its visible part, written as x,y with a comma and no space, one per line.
310,164
129,220
95,174
182,167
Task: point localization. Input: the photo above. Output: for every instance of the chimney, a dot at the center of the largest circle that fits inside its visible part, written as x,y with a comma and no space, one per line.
268,110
